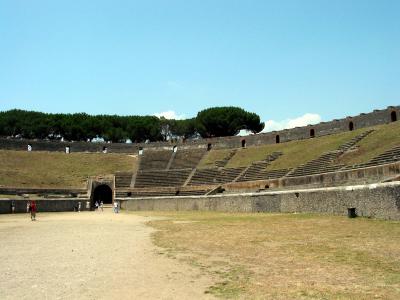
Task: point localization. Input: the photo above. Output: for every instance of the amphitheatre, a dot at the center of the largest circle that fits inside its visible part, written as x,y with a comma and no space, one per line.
259,216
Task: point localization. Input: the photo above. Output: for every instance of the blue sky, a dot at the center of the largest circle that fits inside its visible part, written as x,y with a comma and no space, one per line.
280,59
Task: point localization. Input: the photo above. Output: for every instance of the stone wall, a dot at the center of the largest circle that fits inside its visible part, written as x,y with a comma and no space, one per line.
42,191
376,200
376,117
43,205
357,176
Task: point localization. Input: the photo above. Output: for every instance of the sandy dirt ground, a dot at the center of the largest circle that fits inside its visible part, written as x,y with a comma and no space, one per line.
90,255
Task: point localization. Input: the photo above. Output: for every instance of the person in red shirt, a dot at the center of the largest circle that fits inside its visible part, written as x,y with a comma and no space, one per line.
33,210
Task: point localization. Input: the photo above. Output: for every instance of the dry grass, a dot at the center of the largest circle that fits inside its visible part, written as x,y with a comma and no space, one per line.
283,256
58,170
208,161
294,153
382,139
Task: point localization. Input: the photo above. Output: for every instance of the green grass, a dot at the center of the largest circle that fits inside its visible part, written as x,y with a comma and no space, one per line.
299,152
58,170
382,139
286,256
294,152
212,156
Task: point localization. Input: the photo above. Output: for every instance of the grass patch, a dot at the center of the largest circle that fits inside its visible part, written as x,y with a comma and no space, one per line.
208,161
382,139
294,153
58,170
287,256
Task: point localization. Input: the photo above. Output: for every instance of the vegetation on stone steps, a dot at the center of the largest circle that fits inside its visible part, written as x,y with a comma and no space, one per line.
219,121
295,153
59,170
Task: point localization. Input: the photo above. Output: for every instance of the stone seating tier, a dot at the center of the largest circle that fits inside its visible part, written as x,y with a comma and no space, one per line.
155,160
123,179
387,157
223,162
187,158
215,176
135,193
161,178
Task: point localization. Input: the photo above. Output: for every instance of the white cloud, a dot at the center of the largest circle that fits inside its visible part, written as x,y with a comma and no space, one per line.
170,114
244,132
304,120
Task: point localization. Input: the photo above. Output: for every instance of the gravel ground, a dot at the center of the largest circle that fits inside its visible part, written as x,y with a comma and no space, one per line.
89,255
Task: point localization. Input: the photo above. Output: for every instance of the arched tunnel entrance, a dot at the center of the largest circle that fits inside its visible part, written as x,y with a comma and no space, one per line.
102,193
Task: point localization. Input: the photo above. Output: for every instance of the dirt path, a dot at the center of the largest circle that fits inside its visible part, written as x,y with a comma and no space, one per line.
89,255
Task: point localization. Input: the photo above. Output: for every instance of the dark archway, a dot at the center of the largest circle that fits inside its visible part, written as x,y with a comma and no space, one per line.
312,133
277,139
243,143
351,126
102,193
209,146
393,116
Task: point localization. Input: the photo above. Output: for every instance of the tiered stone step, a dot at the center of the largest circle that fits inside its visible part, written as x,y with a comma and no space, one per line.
390,156
257,171
319,165
161,178
133,194
160,193
264,175
222,163
187,158
215,176
347,146
155,160
123,179
323,164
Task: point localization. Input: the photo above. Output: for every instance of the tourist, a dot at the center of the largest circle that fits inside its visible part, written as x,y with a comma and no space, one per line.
12,206
116,207
79,206
96,206
101,205
33,210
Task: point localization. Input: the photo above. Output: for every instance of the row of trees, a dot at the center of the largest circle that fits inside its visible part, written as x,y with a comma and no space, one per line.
217,121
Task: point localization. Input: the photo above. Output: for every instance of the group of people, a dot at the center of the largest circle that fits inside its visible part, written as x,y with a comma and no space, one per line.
32,208
98,205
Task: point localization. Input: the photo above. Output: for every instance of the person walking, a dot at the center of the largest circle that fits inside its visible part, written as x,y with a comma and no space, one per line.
101,205
116,207
96,206
33,210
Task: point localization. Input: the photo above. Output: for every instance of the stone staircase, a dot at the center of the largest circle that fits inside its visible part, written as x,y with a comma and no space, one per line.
257,170
389,156
350,144
222,163
323,164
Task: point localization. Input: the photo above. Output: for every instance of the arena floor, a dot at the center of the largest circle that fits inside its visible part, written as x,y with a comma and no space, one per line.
90,255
